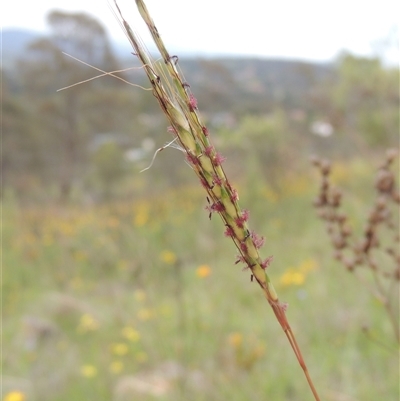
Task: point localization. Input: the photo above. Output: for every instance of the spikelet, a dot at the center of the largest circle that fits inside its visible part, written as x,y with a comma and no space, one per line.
180,107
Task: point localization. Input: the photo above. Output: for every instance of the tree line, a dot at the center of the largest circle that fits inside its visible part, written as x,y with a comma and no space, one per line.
51,138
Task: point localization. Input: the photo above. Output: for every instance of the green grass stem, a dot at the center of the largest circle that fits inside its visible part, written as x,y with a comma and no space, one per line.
180,108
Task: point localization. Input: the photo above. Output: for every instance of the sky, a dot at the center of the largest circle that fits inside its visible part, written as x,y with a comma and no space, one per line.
312,30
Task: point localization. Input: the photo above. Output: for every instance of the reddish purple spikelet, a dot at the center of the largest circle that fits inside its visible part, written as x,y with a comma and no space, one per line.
239,222
257,240
217,180
229,232
172,130
242,219
192,102
205,131
265,264
215,207
218,159
234,195
192,159
245,215
209,150
243,247
218,207
284,306
204,183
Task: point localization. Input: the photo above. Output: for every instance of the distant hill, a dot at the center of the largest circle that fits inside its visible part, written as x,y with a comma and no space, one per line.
14,41
258,81
239,83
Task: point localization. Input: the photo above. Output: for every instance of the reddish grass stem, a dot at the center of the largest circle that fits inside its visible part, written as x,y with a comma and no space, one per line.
180,107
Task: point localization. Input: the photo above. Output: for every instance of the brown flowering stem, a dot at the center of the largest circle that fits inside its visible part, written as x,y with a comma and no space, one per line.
364,254
180,107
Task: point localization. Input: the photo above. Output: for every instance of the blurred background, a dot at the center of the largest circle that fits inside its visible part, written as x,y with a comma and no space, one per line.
116,284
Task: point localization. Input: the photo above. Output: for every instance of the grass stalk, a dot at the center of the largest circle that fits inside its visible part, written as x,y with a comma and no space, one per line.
180,107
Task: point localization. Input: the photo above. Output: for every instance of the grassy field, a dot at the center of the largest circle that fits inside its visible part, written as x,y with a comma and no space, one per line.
142,300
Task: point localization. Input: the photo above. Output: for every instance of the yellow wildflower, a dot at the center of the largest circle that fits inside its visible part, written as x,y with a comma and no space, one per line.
116,367
119,349
14,396
67,228
292,277
145,314
131,334
87,323
168,257
235,339
203,271
141,215
88,371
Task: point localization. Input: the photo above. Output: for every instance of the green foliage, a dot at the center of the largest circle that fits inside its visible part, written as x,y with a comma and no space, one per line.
272,106
117,291
63,131
82,282
262,143
109,167
364,98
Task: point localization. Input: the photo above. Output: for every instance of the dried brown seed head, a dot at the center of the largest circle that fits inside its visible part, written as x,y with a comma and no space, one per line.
381,202
325,167
349,264
396,196
324,184
391,154
358,260
375,242
358,248
318,201
339,242
336,197
315,160
331,216
384,181
346,230
341,217
338,255
390,251
330,228
374,218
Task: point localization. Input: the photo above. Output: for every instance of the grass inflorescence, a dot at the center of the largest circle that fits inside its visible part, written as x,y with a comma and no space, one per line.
193,138
377,250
